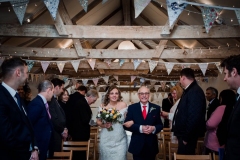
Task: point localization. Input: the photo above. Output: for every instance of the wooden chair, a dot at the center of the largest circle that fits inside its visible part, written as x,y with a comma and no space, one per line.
172,148
193,157
93,144
77,146
62,156
160,147
166,137
166,129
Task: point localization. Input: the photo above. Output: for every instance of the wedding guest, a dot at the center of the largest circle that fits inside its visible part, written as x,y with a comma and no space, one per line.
117,137
231,67
63,98
82,90
147,123
58,118
176,92
211,96
189,118
39,115
27,94
17,139
167,104
20,91
217,124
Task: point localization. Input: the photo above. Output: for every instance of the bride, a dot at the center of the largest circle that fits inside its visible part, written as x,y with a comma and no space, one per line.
113,144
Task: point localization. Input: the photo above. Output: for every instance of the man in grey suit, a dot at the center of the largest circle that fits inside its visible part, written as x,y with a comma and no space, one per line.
232,77
58,118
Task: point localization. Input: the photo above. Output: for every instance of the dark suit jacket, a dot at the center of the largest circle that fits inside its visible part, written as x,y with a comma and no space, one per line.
232,147
166,106
59,123
189,116
140,140
79,114
42,125
211,107
16,132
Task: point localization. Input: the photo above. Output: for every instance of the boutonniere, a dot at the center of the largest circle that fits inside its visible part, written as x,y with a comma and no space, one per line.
152,108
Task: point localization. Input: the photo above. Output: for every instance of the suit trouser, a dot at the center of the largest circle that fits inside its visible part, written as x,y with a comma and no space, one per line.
189,148
144,155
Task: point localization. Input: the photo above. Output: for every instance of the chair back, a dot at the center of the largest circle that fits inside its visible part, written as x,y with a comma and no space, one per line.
172,148
193,157
62,156
77,146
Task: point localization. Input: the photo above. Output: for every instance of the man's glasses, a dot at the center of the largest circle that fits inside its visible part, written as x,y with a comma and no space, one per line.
141,93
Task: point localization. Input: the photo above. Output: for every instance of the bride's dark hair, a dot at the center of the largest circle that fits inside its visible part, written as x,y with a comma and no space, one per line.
106,97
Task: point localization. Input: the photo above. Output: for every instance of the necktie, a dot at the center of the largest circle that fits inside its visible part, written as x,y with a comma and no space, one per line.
47,108
237,95
144,112
18,101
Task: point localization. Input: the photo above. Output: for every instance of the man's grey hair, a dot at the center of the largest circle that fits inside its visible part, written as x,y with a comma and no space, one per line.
214,90
44,85
92,93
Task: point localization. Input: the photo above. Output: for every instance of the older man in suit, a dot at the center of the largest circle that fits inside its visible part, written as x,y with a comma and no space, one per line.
80,115
189,118
232,77
211,96
147,123
16,132
60,132
38,113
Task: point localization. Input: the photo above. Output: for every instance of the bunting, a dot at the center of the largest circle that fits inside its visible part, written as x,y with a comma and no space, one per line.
118,83
174,10
135,84
132,78
19,8
104,1
163,85
32,76
157,94
75,64
203,67
156,87
1,60
220,69
136,63
66,83
61,66
85,81
152,65
44,65
142,80
163,94
209,15
92,63
84,4
116,77
169,67
121,61
98,88
52,6
106,78
95,81
139,6
238,15
152,82
108,61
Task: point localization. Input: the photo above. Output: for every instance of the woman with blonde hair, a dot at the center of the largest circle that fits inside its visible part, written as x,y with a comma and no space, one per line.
176,92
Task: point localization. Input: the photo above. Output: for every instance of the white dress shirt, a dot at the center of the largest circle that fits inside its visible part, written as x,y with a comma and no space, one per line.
238,91
43,98
11,91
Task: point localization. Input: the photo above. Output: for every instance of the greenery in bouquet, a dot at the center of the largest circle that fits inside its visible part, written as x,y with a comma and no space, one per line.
110,115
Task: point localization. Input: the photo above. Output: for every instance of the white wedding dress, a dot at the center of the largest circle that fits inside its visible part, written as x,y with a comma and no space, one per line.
113,144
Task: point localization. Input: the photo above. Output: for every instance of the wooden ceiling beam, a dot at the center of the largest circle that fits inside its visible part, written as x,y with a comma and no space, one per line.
119,32
115,54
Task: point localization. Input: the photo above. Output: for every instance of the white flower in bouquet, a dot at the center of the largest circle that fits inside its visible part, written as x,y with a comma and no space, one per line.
107,115
99,115
111,114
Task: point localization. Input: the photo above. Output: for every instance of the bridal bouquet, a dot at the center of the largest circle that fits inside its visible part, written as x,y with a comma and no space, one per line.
109,115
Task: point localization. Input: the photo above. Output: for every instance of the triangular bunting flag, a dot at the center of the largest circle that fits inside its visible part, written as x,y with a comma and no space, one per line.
92,63
66,83
106,78
132,78
136,63
32,76
203,67
174,10
98,88
84,4
52,6
238,15
116,77
169,67
135,84
139,6
75,64
165,95
104,87
121,61
104,1
173,83
84,81
142,80
44,65
162,93
157,94
1,60
19,8
152,82
163,85
156,87
118,83
209,15
152,65
220,69
108,61
95,81
61,66
30,64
